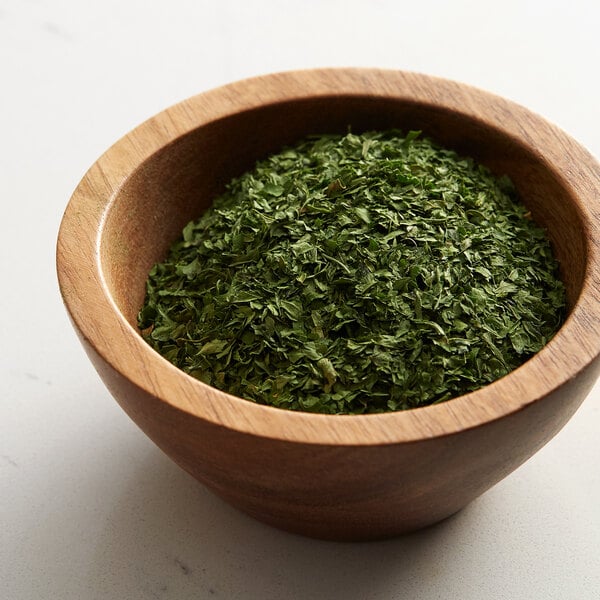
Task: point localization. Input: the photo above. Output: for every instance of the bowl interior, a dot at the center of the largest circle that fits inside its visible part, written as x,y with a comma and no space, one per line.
178,182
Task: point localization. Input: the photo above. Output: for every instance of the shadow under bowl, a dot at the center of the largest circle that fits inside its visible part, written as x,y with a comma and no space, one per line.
333,477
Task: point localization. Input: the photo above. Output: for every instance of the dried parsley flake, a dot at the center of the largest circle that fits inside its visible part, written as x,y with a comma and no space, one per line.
356,274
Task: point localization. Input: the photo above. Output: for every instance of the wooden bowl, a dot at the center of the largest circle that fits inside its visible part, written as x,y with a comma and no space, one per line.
334,477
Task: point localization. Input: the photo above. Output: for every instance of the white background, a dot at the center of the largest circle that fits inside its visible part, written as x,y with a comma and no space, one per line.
89,508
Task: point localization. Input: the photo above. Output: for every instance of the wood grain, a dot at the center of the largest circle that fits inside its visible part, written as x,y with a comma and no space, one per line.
335,477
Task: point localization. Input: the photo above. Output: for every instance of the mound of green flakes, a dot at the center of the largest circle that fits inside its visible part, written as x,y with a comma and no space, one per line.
356,274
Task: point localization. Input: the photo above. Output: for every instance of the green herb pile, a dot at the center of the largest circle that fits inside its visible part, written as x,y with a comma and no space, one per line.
356,274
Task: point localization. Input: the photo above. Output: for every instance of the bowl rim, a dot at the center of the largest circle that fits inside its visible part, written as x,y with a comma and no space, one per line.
82,282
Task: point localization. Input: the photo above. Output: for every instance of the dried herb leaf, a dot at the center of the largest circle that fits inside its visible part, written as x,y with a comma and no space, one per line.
356,274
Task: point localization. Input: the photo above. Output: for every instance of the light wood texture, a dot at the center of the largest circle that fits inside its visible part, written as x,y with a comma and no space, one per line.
335,477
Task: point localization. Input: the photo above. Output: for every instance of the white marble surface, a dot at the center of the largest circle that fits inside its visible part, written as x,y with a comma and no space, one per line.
89,508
